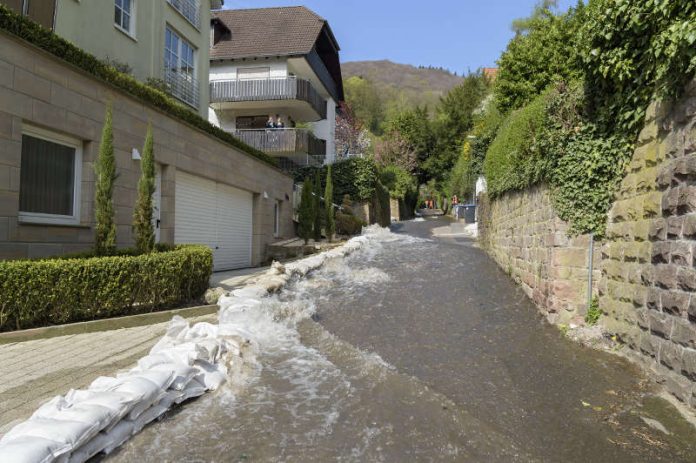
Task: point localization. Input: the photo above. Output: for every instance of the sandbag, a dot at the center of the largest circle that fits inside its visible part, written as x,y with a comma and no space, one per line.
210,375
70,433
32,449
120,403
90,449
193,389
147,391
117,436
182,374
61,409
148,416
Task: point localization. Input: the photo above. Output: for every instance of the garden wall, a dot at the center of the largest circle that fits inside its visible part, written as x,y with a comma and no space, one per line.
648,288
522,232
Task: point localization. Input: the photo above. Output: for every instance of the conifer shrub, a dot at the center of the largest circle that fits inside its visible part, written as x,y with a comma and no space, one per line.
142,217
328,206
105,176
306,212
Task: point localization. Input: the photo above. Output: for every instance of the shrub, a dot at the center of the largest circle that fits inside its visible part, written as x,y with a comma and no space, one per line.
381,206
398,181
354,176
51,291
306,212
514,160
33,33
328,206
142,216
348,225
105,176
316,228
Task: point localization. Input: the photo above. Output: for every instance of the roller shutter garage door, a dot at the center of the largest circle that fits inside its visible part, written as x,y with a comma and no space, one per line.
216,215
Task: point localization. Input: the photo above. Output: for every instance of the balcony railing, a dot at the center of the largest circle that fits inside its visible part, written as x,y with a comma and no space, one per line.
300,145
284,88
190,9
182,86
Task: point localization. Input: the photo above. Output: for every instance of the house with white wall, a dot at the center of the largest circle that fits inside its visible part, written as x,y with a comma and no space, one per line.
276,63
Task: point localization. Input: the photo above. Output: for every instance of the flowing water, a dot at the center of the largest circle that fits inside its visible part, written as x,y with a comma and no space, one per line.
414,349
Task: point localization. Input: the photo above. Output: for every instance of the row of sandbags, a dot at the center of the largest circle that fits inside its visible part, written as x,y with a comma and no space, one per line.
185,363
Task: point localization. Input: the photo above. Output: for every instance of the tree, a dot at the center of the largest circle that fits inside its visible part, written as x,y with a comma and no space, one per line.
394,150
306,212
328,203
105,176
366,102
541,10
316,229
351,135
142,216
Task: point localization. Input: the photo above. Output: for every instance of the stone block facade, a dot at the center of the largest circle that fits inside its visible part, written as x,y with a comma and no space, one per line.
39,90
522,232
648,287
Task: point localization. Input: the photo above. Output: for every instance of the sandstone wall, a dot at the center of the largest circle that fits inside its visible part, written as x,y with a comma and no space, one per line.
522,232
648,288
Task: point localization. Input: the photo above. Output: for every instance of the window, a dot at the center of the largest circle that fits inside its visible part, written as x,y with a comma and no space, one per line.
180,67
189,9
253,73
50,176
123,15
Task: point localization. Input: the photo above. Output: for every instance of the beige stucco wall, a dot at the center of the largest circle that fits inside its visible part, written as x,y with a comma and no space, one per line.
38,89
90,26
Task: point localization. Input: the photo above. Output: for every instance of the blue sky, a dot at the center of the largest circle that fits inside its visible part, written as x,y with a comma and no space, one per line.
460,35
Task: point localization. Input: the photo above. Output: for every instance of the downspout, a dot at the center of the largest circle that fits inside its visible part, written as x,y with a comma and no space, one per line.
590,268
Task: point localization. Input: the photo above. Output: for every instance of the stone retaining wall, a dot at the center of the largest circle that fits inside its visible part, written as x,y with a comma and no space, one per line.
648,288
522,232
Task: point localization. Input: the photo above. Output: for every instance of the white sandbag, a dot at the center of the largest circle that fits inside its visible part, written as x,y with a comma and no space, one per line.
32,449
148,416
71,433
211,376
90,449
120,403
117,436
60,409
147,391
193,389
162,378
182,373
202,330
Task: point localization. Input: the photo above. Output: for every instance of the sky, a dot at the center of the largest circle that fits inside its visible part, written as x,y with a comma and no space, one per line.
459,35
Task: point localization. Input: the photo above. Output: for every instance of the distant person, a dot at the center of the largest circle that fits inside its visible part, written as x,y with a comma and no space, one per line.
279,123
270,123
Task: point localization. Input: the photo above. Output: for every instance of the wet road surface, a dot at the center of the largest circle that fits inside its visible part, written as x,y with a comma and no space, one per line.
415,349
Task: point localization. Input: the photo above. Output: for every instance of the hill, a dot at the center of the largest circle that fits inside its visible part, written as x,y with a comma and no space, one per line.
403,84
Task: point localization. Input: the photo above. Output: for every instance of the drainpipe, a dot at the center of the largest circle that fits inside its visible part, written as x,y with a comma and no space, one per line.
589,272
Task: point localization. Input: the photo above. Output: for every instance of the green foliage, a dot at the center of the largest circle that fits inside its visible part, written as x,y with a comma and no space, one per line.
306,212
381,205
367,104
547,51
415,127
105,176
355,177
541,10
142,216
328,206
631,49
514,160
398,181
593,312
33,33
316,228
53,291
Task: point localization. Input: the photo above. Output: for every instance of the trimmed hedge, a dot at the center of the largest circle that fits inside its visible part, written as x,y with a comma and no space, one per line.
53,291
355,177
46,40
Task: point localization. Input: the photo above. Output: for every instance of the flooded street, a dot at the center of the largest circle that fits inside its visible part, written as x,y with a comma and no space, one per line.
415,349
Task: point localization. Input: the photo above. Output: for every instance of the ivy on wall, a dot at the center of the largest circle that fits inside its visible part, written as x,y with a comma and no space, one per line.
580,132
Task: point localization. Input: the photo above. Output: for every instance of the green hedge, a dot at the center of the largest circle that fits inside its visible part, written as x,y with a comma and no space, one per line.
355,177
53,291
33,33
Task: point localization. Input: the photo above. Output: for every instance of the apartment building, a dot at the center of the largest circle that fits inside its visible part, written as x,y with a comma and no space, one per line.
270,64
164,40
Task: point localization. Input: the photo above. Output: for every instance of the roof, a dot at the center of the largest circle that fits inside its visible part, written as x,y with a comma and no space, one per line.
281,31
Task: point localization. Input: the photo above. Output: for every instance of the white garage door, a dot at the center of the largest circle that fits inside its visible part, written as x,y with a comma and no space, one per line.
216,215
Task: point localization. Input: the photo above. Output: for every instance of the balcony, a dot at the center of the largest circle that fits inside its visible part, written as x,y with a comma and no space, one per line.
298,96
189,9
182,85
294,147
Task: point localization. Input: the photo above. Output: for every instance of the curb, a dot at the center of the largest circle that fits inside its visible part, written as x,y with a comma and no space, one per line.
106,324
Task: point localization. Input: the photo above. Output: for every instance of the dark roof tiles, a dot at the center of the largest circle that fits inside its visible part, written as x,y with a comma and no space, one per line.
268,32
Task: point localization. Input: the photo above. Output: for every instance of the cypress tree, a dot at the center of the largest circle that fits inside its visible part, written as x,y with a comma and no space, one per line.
306,212
317,206
105,176
142,216
329,210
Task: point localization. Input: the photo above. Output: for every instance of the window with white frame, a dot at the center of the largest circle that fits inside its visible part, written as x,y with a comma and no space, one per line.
123,15
189,9
50,177
180,67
